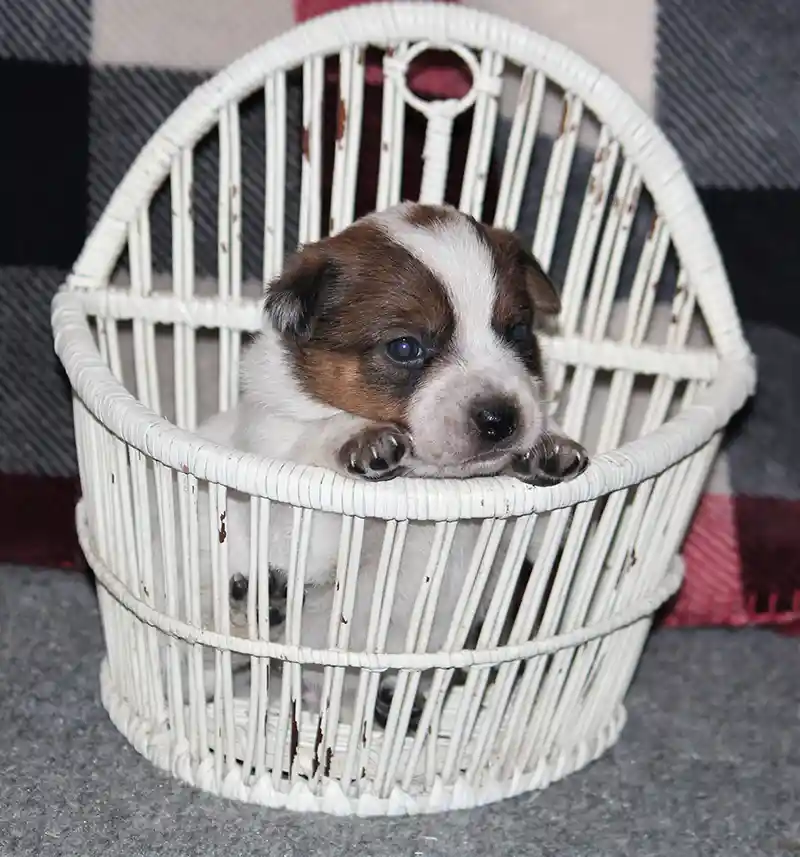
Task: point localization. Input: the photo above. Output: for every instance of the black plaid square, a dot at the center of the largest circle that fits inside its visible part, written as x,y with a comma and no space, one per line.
757,234
44,152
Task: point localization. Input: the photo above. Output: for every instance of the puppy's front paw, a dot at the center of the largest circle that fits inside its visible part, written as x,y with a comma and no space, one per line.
376,453
556,459
239,588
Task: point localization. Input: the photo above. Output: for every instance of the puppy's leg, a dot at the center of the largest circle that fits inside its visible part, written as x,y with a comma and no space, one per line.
376,452
556,458
238,589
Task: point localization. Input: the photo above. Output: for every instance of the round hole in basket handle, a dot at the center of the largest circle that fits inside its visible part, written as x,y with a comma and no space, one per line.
424,72
398,68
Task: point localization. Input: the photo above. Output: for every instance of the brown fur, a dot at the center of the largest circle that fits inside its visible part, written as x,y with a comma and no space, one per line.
521,279
342,362
427,216
523,292
518,270
342,379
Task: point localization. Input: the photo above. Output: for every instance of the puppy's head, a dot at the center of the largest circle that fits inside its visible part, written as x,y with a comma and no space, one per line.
422,317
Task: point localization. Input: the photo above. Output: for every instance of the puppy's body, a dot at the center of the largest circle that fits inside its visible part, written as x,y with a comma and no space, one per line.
315,443
403,345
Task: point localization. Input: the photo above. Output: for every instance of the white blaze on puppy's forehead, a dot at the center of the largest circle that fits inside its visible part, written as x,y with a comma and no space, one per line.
454,252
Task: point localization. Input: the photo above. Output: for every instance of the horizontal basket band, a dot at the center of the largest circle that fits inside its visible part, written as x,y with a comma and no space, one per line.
245,315
461,659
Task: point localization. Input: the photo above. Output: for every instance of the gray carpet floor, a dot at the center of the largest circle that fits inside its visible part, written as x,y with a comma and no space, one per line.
709,763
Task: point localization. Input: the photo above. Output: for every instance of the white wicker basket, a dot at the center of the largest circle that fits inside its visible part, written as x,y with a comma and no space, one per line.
657,378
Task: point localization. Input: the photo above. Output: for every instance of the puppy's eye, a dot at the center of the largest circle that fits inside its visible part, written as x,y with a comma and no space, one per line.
406,350
520,332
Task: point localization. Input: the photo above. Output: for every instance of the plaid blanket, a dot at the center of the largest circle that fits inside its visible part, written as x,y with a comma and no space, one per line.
85,83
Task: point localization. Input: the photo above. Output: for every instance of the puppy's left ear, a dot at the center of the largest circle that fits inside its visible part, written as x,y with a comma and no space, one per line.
293,299
540,287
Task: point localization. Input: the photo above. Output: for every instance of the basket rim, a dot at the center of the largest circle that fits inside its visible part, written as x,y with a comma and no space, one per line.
429,499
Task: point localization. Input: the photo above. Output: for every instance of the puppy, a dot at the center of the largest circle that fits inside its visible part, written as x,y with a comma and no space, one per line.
403,345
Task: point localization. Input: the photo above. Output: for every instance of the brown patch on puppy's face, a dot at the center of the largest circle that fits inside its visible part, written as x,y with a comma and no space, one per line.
341,301
345,381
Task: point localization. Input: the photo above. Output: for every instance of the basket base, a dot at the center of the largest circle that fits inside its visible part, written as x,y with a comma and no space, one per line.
156,743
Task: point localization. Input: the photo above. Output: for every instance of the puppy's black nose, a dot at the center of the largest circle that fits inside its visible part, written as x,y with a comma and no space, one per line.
495,419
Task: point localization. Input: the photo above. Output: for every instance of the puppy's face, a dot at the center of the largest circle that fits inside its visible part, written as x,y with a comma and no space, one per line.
422,317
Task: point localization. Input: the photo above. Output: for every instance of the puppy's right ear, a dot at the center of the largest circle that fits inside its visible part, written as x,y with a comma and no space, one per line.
293,299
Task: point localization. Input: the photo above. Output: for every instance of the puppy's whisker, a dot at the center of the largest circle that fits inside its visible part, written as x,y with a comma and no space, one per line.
549,445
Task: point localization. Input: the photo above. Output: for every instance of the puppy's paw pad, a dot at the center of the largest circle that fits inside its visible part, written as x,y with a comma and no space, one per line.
278,585
566,460
278,596
376,453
